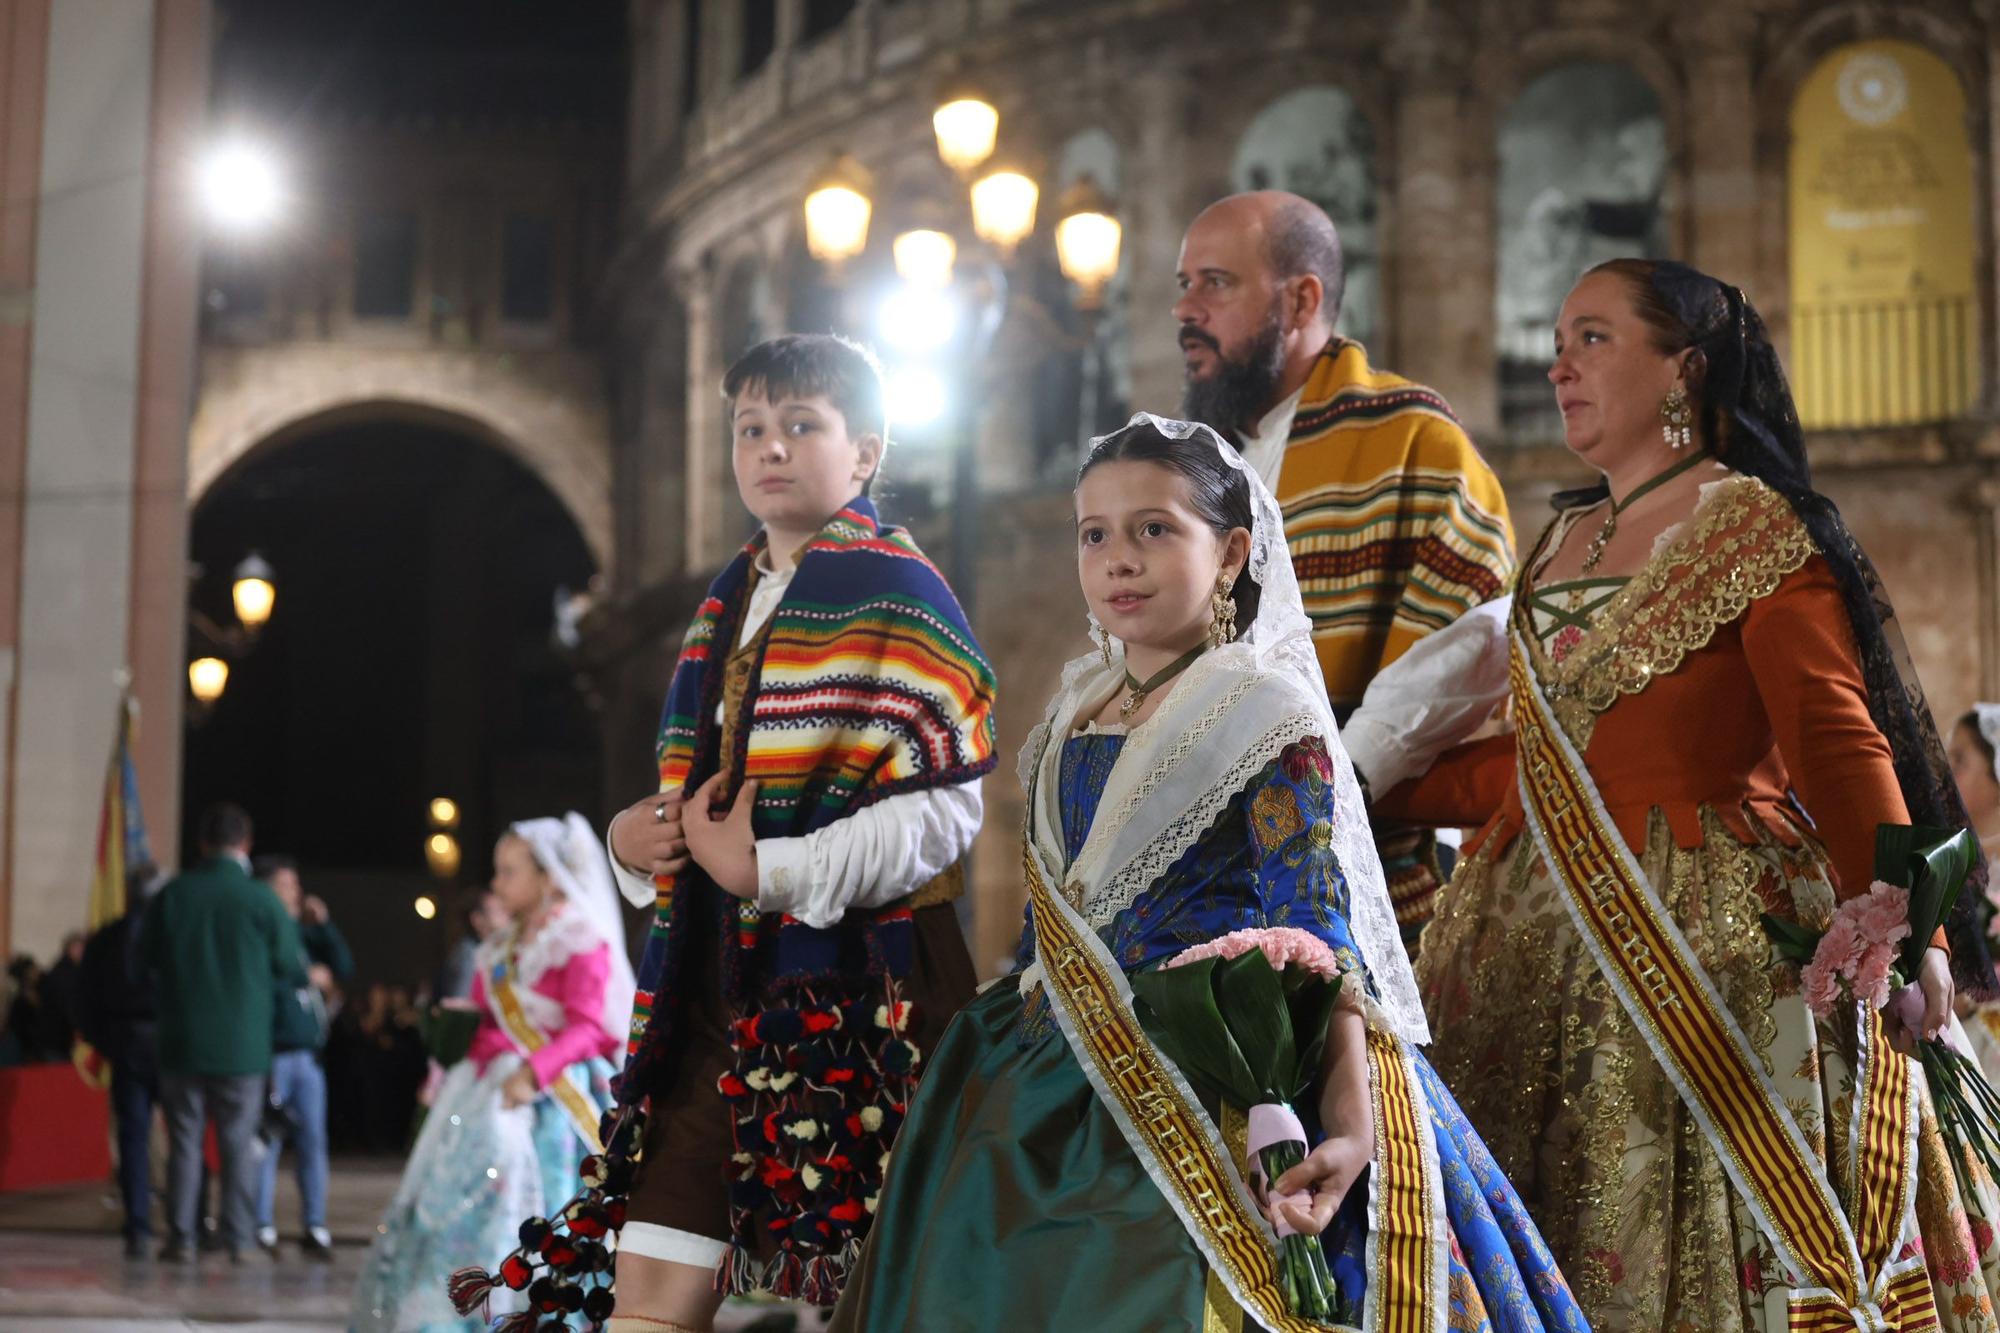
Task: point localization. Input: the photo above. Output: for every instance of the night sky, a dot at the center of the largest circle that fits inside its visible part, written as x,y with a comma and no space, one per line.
391,59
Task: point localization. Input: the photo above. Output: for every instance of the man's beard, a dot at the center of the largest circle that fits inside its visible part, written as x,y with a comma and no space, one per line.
1239,390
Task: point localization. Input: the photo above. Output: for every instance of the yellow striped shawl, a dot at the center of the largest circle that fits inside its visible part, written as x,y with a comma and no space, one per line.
1396,525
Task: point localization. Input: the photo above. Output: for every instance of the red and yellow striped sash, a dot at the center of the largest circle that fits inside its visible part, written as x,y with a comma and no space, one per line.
582,1116
1186,1155
1840,1267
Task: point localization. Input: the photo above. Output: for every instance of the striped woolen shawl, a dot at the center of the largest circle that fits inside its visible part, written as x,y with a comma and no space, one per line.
870,684
1396,525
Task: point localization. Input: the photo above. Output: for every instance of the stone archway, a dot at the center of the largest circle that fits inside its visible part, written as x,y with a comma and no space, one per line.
548,409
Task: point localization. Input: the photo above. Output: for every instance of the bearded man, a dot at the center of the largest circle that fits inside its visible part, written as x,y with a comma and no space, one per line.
1396,525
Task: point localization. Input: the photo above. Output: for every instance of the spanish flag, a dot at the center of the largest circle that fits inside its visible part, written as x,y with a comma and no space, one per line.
121,845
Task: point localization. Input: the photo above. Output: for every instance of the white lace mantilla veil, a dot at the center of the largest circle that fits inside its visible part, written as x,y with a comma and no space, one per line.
1231,713
571,854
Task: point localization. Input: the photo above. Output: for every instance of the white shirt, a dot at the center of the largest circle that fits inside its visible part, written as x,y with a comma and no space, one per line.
875,855
1431,698
1264,448
764,598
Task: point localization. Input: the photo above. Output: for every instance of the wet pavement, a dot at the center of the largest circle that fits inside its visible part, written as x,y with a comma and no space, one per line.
65,1265
62,1267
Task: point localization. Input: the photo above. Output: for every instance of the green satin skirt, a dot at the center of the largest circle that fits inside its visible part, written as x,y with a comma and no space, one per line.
1012,1202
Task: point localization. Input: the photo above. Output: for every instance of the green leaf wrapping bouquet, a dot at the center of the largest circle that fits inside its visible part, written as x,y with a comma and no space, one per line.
1244,1017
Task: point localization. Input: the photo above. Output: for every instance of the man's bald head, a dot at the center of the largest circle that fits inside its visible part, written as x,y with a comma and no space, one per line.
1260,277
1296,236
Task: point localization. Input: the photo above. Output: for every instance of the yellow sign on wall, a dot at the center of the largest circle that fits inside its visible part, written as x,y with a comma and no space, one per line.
1885,316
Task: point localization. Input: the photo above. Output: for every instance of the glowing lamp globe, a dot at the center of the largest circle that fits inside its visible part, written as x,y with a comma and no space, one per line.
1003,209
208,677
253,592
837,212
1087,241
966,129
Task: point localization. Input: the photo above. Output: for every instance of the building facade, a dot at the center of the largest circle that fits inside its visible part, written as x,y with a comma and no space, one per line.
102,102
1836,160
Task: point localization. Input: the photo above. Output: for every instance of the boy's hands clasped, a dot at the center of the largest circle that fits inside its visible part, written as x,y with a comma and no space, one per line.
647,836
722,844
662,833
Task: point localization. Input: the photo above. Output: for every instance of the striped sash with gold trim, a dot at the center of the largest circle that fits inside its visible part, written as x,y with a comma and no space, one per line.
582,1115
1186,1157
1842,1269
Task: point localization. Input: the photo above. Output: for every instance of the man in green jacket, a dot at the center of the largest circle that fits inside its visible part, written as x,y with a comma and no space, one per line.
214,940
320,957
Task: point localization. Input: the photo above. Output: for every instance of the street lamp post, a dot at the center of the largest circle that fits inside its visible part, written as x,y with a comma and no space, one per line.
253,593
951,298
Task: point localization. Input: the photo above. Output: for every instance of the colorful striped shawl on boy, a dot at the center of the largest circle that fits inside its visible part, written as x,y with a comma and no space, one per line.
870,685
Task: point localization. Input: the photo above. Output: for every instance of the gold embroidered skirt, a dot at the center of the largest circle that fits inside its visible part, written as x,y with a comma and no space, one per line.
1627,1191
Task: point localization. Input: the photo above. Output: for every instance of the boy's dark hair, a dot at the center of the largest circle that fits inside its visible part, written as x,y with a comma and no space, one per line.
224,824
807,365
1219,492
263,867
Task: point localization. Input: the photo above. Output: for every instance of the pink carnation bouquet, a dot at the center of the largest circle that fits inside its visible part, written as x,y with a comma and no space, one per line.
1856,958
1244,1017
1869,955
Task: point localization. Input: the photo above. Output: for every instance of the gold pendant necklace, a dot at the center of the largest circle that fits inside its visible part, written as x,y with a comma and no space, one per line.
1137,699
1595,551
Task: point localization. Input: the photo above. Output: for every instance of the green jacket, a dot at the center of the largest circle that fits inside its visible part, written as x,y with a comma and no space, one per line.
301,1020
215,941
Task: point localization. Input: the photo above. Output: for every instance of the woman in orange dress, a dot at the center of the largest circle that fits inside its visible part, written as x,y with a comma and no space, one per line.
1711,714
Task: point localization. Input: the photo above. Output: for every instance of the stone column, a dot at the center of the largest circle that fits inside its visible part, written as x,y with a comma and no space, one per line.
1440,320
1719,139
1984,500
788,36
96,520
649,28
656,491
703,519
721,48
1155,206
24,70
1989,13
156,649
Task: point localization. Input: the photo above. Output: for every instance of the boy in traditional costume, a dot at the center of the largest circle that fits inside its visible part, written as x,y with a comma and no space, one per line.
820,757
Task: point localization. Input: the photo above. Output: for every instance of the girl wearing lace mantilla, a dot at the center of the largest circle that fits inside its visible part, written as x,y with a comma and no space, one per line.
1056,1170
1712,714
514,1118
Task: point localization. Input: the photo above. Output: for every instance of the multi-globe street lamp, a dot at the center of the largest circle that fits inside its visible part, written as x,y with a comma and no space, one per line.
950,297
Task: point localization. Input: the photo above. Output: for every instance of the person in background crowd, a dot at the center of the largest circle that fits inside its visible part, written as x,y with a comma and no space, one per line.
60,987
320,959
116,1014
481,917
19,1037
520,1112
216,944
1397,525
